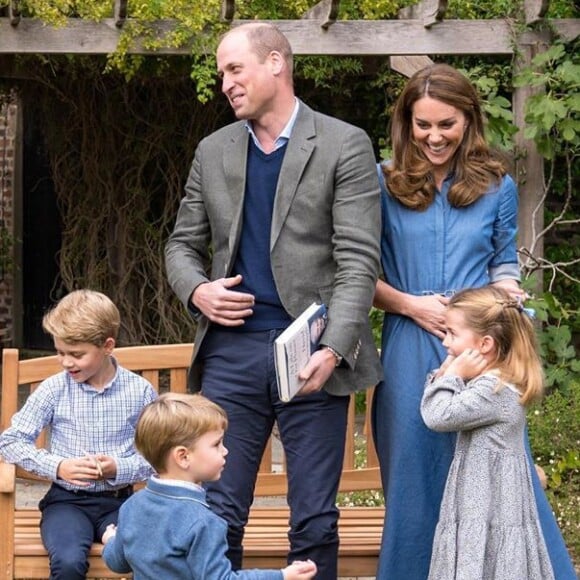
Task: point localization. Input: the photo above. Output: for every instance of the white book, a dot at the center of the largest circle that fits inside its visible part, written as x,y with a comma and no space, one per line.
294,346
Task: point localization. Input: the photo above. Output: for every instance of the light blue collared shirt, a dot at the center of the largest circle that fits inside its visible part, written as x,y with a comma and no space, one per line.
82,420
177,483
284,136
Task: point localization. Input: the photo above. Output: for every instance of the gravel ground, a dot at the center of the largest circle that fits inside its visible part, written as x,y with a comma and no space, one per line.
29,493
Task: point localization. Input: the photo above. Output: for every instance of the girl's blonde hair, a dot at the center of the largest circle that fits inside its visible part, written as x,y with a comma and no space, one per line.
175,419
408,175
492,311
83,316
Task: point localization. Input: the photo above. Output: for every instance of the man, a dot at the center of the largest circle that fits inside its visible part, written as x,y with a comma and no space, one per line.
284,205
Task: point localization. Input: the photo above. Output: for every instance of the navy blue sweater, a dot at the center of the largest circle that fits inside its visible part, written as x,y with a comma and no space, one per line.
253,257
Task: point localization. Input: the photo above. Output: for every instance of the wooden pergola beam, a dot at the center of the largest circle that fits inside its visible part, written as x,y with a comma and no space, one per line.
228,10
430,12
356,38
120,12
535,10
14,12
409,65
326,11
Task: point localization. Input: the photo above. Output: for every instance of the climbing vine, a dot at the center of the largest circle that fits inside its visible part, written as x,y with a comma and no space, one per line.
119,155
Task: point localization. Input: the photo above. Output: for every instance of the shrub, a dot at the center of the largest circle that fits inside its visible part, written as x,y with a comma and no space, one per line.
555,442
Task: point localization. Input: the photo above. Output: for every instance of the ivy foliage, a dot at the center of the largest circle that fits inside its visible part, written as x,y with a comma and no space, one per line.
553,115
557,350
362,91
490,83
481,9
553,429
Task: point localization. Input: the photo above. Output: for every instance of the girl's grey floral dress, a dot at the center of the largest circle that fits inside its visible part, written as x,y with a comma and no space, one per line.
488,525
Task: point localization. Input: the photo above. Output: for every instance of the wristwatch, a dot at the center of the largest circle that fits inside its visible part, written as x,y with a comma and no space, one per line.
337,356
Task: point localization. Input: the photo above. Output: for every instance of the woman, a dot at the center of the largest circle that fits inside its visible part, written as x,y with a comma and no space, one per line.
449,222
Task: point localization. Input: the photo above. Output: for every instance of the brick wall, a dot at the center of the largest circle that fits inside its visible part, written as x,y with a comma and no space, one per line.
8,124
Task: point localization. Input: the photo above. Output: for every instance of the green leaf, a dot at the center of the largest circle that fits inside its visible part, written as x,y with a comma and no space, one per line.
555,52
530,131
569,73
568,133
573,102
502,102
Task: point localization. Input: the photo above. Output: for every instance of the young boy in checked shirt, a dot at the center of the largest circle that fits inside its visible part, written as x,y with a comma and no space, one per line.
91,408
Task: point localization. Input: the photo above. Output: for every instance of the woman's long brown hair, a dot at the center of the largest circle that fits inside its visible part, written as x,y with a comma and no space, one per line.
409,173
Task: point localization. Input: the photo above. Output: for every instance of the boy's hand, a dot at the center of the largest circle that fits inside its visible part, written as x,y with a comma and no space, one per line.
108,466
300,570
79,470
470,363
110,532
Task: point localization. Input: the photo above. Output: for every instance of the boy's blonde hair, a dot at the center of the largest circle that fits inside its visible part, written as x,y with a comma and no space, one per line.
83,316
492,311
175,419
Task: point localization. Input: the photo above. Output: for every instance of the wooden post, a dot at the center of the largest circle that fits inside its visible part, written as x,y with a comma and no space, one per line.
14,12
16,280
228,10
529,167
409,65
120,13
325,10
428,11
535,10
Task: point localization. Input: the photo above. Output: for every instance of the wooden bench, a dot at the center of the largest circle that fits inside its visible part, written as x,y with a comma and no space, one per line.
265,543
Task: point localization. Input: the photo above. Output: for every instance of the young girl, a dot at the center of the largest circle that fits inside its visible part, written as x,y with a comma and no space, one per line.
488,524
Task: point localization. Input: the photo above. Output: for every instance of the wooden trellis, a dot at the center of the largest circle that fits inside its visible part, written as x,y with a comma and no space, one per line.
420,31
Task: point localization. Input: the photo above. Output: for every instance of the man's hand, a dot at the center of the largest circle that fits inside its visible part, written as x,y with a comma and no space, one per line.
222,305
317,371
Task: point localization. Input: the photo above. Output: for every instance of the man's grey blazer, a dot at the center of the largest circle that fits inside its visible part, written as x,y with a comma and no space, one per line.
324,240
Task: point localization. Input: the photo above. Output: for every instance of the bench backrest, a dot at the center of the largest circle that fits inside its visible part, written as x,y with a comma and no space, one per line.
165,366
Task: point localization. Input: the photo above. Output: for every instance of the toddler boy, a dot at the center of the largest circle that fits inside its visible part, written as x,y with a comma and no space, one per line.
167,530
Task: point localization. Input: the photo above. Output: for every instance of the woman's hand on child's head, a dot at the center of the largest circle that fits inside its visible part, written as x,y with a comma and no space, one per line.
300,570
110,532
470,363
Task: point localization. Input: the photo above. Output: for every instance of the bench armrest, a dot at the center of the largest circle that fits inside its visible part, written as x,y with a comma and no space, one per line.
7,477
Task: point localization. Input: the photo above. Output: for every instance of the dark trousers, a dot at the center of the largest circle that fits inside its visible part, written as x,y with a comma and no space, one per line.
239,375
70,524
